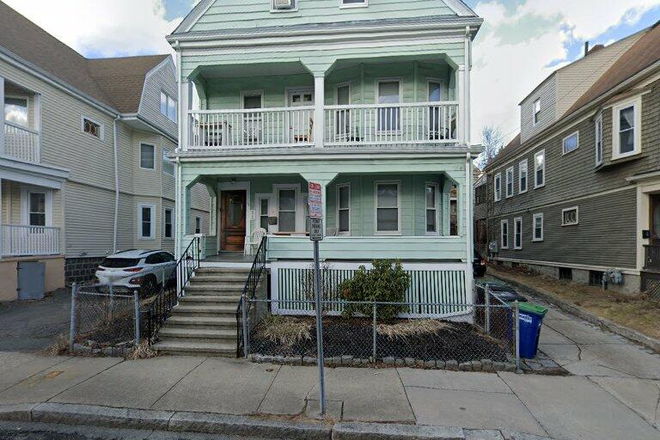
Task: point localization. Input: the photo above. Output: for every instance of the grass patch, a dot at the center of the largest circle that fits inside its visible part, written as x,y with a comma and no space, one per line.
286,331
408,329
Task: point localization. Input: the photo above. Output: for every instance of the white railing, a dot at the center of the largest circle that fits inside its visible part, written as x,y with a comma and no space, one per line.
21,142
377,124
267,127
18,240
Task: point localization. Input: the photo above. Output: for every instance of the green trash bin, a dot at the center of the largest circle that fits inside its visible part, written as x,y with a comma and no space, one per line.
530,320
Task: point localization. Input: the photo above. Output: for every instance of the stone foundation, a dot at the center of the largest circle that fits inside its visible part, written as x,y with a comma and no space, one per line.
81,270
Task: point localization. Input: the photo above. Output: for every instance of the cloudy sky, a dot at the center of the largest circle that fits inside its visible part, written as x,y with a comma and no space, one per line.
521,42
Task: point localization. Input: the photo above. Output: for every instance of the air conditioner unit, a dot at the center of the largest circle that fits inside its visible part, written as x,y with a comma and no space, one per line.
283,4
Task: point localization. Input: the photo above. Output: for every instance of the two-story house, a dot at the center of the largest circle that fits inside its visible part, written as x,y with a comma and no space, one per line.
573,195
368,98
83,157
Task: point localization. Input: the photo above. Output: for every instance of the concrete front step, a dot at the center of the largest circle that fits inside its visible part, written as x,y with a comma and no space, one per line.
210,299
225,349
201,322
237,271
205,310
212,290
219,278
218,284
173,333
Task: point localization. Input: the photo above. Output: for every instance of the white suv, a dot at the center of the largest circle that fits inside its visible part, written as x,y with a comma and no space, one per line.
137,269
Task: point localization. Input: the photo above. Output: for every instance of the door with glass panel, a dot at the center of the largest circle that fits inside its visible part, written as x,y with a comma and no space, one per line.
232,236
435,130
301,123
286,210
252,120
389,116
343,116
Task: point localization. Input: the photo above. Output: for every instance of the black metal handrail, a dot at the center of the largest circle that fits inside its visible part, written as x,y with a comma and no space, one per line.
249,291
160,308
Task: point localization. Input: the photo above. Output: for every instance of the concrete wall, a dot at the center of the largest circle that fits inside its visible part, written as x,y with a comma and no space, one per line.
9,276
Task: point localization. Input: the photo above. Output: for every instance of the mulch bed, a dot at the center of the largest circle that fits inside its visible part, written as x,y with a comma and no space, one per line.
459,341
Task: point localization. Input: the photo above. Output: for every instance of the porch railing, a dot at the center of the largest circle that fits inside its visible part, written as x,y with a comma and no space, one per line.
249,293
21,142
266,127
18,240
377,124
652,257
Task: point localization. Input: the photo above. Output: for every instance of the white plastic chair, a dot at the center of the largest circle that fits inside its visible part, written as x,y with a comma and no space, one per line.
255,240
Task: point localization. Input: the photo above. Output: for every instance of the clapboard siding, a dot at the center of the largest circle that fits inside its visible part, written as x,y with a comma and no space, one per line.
161,78
547,93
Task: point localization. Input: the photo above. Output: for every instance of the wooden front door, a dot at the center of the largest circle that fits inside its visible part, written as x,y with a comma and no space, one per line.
232,235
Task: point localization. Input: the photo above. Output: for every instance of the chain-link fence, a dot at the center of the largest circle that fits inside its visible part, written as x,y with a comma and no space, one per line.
456,336
104,319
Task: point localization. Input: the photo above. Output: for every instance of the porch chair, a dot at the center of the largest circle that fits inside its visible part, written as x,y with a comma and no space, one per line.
255,240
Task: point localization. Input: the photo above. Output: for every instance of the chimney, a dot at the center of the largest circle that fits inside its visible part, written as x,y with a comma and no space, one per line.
586,48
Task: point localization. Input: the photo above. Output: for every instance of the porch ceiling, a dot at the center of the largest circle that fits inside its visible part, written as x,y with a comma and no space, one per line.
252,70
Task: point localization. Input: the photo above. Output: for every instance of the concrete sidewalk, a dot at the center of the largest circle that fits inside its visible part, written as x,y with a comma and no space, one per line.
576,407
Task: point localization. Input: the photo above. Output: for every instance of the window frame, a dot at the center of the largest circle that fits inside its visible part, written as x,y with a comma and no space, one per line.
101,136
535,239
598,127
259,198
298,210
398,207
509,172
142,144
26,192
436,208
152,221
563,143
337,188
279,11
536,120
342,5
399,129
27,108
577,216
504,245
497,187
536,169
524,162
171,211
517,237
198,224
168,99
636,104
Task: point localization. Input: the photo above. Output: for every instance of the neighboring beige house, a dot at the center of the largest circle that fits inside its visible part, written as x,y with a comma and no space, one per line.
83,166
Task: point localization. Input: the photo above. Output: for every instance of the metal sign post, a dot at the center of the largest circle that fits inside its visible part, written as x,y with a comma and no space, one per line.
315,200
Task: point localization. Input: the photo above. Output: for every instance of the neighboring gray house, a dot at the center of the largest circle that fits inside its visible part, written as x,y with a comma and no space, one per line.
574,196
83,166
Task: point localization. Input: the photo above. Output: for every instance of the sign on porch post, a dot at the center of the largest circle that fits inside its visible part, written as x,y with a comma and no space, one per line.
315,201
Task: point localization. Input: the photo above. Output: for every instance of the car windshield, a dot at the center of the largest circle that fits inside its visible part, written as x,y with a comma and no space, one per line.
116,263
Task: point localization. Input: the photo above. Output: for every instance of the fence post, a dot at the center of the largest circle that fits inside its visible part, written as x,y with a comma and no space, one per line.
72,324
136,300
112,300
246,339
374,334
487,304
517,335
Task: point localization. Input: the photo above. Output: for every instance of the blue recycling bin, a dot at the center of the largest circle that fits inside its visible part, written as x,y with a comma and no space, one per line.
530,320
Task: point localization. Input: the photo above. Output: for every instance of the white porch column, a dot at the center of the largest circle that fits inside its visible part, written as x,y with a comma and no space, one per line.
37,123
1,214
461,104
468,224
466,84
2,115
185,104
319,101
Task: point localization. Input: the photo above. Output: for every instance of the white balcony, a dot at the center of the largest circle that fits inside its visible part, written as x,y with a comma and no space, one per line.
21,143
20,240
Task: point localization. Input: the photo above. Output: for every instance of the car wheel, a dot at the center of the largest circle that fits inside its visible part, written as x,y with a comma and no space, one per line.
149,287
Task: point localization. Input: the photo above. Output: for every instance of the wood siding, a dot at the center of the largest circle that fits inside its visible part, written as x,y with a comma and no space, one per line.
162,78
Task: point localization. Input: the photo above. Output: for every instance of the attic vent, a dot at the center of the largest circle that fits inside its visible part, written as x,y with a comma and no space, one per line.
284,5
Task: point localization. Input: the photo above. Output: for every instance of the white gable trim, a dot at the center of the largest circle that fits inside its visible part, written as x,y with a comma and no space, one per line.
150,73
460,8
191,19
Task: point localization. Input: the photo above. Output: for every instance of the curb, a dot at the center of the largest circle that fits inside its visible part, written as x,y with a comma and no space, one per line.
242,426
628,333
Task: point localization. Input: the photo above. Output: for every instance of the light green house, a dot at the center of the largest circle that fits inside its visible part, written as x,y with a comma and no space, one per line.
369,98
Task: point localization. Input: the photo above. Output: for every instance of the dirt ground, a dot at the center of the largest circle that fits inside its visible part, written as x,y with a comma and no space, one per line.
633,311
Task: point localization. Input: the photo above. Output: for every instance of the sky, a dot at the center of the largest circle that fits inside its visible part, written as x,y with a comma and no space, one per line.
519,45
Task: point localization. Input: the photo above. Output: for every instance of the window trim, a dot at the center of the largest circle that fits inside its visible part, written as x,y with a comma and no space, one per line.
154,156
27,107
508,233
101,127
299,210
436,208
439,81
563,143
273,10
258,198
536,239
497,187
520,168
506,185
517,221
364,4
171,210
198,220
251,94
636,103
536,167
376,101
152,229
350,91
598,127
536,122
26,190
337,187
577,216
398,207
169,98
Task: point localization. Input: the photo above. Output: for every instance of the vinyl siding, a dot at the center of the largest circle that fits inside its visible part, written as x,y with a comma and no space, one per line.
547,93
161,78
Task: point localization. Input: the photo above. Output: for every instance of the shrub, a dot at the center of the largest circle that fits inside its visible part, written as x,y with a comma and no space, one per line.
386,282
287,331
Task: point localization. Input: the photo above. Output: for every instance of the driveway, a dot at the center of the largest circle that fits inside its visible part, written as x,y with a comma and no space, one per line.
34,325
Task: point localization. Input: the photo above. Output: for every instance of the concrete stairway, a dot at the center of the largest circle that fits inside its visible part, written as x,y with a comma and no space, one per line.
204,322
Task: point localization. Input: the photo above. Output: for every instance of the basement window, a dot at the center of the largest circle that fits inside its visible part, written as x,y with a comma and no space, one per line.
353,3
566,274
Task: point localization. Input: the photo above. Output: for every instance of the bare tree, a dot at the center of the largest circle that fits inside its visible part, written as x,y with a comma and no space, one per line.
492,140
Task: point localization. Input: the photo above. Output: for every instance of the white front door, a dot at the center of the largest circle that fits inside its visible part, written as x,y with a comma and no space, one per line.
301,125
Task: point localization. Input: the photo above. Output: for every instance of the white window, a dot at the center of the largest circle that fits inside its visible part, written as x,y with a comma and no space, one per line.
387,208
168,223
344,209
16,110
509,182
37,208
538,227
147,159
389,118
504,234
284,5
517,233
599,140
353,3
522,177
432,209
539,169
252,121
286,215
198,225
168,165
627,134
168,106
571,143
92,127
497,184
537,111
570,216
343,116
263,203
146,222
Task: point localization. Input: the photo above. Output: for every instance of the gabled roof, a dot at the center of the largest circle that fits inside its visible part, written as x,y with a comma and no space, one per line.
508,151
115,82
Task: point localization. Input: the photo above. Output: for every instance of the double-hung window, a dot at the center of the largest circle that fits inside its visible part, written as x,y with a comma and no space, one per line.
264,209
387,208
517,233
571,142
146,225
37,208
389,117
504,234
627,139
537,227
522,177
539,169
168,106
509,182
147,156
286,210
432,209
168,223
497,184
536,108
16,110
599,140
344,209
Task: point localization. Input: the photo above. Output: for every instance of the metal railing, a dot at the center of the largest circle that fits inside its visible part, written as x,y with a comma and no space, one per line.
265,127
20,240
21,143
377,124
652,257
249,292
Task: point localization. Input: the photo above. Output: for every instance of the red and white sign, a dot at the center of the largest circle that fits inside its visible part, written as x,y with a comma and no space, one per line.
315,200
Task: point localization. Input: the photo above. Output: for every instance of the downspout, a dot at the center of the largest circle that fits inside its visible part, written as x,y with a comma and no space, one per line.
115,147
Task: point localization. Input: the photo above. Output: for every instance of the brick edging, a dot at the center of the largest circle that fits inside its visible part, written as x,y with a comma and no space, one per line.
628,333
